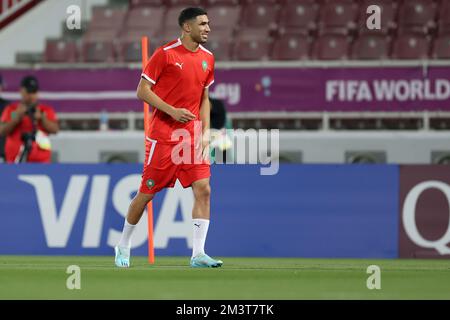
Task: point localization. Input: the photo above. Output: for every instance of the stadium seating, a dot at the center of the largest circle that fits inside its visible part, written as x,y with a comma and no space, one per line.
371,47
331,47
441,47
135,3
388,16
417,16
107,18
224,17
144,18
338,17
291,47
252,44
60,51
171,17
444,18
184,3
306,29
411,46
259,15
210,3
129,45
220,42
98,52
299,16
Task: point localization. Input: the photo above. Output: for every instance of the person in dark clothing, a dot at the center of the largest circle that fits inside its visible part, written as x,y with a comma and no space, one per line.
3,104
220,141
218,114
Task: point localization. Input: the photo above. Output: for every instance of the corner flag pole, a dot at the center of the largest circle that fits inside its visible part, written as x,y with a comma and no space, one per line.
151,249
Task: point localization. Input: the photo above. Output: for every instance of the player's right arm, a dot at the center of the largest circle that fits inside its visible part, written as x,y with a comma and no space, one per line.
145,93
9,122
152,72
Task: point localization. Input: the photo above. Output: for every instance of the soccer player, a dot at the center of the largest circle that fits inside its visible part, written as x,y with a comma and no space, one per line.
175,82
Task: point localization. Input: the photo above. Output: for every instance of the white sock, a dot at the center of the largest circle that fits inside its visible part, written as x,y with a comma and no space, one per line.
200,228
125,239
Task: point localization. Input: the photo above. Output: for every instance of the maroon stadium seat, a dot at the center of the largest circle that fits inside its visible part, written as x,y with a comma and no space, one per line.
270,2
220,44
371,47
184,3
169,34
260,15
100,35
287,2
411,46
60,51
145,17
171,19
444,19
389,10
104,27
291,47
300,15
107,18
338,17
99,52
210,3
134,3
252,44
129,44
224,17
129,50
331,47
329,1
417,16
441,47
137,34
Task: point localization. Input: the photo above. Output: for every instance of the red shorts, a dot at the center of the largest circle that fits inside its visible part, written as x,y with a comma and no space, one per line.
162,169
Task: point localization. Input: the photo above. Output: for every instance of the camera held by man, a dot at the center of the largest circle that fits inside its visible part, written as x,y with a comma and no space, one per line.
27,125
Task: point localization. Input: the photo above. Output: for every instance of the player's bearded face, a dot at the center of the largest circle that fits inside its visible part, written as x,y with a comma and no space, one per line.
200,29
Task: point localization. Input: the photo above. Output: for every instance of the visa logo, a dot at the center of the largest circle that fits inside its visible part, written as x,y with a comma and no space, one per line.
58,224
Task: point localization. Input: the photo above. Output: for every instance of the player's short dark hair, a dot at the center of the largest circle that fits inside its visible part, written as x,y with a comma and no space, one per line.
190,13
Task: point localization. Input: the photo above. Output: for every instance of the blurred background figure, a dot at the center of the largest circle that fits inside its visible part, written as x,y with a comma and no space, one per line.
220,140
26,126
3,104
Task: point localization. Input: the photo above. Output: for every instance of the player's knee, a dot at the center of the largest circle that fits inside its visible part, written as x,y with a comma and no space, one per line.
203,192
143,197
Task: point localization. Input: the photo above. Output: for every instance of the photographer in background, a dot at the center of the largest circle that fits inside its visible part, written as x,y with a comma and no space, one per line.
26,126
3,104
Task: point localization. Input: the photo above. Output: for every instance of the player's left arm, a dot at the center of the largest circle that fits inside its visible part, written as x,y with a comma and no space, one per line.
205,110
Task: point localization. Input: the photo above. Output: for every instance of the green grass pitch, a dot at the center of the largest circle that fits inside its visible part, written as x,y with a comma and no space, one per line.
37,277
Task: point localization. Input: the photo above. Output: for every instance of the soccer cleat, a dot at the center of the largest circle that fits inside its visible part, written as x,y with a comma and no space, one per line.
122,257
204,261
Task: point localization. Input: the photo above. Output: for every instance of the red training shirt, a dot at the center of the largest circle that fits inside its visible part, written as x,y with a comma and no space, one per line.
179,77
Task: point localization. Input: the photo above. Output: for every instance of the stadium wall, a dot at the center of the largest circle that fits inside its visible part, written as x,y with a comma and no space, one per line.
317,211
